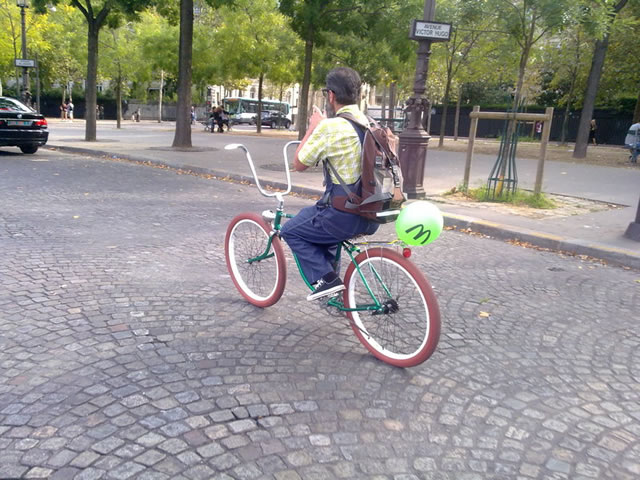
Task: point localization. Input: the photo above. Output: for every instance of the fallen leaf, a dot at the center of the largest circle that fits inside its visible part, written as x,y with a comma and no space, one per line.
76,216
484,315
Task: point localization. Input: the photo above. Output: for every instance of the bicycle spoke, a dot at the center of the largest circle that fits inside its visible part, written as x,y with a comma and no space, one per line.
399,331
260,281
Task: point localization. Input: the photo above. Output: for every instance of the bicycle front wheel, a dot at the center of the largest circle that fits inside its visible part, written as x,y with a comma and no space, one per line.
261,281
404,332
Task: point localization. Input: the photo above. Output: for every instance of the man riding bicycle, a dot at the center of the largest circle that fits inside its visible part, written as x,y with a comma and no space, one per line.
313,234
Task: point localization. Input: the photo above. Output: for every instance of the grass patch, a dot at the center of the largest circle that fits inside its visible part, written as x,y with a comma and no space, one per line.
519,198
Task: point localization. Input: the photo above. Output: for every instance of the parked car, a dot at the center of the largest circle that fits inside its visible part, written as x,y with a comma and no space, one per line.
21,126
273,119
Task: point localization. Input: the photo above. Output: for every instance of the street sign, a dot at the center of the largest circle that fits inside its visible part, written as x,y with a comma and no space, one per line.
23,62
434,31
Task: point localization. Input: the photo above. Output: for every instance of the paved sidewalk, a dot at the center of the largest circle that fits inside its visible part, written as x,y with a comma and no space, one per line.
594,233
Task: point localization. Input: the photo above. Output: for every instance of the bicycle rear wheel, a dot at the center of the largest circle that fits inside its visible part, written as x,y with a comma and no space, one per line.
406,331
261,282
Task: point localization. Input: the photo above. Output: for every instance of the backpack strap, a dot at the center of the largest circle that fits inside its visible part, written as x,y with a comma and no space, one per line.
360,130
391,156
364,128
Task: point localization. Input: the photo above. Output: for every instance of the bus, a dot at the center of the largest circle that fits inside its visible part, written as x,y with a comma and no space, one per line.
244,110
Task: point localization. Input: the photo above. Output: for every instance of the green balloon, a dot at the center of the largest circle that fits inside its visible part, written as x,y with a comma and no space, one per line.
419,223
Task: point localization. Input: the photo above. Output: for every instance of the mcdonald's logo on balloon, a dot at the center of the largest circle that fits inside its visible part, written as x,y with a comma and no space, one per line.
419,223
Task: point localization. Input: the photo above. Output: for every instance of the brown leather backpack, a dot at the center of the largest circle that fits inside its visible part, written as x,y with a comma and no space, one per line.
378,195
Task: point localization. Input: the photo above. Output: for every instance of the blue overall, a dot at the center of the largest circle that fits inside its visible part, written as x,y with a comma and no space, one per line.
314,233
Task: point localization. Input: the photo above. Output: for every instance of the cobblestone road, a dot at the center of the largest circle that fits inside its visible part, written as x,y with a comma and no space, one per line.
125,351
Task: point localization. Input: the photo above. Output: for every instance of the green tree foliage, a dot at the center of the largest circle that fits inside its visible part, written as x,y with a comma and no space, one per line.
65,57
527,22
182,138
121,61
315,21
97,14
41,40
564,66
604,15
258,43
471,25
621,73
157,38
527,50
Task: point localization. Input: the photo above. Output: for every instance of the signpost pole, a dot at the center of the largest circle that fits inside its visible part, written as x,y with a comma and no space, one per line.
25,71
414,140
37,85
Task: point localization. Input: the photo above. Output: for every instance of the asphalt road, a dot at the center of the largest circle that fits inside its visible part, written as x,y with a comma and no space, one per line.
443,170
125,351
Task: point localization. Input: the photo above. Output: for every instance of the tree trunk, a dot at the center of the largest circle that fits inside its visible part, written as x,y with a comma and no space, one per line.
565,124
383,109
259,117
119,99
457,120
392,106
182,136
582,140
636,112
445,107
90,94
160,94
445,101
304,94
567,110
599,54
511,126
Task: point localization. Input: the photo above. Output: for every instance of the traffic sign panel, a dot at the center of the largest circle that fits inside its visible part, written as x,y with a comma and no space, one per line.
23,62
434,31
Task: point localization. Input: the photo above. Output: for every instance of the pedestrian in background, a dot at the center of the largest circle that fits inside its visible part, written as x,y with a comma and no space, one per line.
63,111
70,110
592,131
221,117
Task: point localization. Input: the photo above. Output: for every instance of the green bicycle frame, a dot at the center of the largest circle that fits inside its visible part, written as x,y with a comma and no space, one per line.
348,247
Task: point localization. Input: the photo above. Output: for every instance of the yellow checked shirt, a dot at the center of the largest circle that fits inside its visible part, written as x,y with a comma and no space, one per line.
337,140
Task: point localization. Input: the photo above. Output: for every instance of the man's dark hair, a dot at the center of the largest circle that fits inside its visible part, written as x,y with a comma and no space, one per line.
345,83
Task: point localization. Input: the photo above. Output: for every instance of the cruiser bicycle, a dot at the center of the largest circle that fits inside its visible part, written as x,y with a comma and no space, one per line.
390,304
